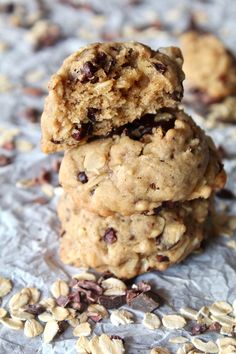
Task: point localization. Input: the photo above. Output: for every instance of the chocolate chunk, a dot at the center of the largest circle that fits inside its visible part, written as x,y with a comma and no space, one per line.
215,327
35,309
153,186
157,210
161,258
88,70
225,194
161,68
145,301
44,177
112,302
82,177
198,329
177,95
101,59
110,236
4,160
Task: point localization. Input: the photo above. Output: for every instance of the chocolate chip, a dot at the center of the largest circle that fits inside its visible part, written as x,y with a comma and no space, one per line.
198,329
78,133
82,177
153,186
177,95
35,309
143,286
88,70
225,194
157,210
145,301
112,302
91,114
161,258
215,327
5,160
101,59
161,68
110,236
44,177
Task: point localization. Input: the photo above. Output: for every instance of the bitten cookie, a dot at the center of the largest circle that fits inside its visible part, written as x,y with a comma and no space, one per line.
106,85
209,67
164,157
128,246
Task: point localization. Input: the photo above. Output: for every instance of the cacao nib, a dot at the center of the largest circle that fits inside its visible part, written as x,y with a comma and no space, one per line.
63,301
160,67
143,286
5,160
110,236
96,317
35,309
82,177
90,285
198,329
215,327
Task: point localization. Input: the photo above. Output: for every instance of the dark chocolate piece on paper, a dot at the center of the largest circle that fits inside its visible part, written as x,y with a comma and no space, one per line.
145,301
112,302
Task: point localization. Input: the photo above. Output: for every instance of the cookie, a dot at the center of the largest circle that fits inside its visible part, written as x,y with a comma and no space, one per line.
209,67
168,158
106,85
128,246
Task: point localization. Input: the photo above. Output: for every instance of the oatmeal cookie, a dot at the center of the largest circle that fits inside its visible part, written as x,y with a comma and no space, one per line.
209,67
128,246
168,158
106,85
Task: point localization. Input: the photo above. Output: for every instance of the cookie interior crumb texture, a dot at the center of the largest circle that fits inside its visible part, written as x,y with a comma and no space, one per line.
106,85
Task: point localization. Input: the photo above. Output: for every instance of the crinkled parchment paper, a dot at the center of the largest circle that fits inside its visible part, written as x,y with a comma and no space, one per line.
29,231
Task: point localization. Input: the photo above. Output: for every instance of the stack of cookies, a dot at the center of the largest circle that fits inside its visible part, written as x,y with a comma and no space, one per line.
138,174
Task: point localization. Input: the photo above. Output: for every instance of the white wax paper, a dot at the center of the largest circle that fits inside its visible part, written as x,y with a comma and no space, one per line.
29,231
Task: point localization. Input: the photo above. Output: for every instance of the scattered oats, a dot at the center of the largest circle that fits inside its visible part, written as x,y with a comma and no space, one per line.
12,323
18,300
59,288
33,293
224,320
48,190
32,328
178,340
59,313
58,191
34,76
207,347
82,330
151,321
50,331
121,317
173,321
227,331
203,316
5,84
3,312
189,313
113,286
85,276
219,308
160,350
25,183
224,342
99,309
73,322
72,314
231,244
45,317
180,351
5,286
24,145
83,317
105,345
82,345
48,303
228,350
20,314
